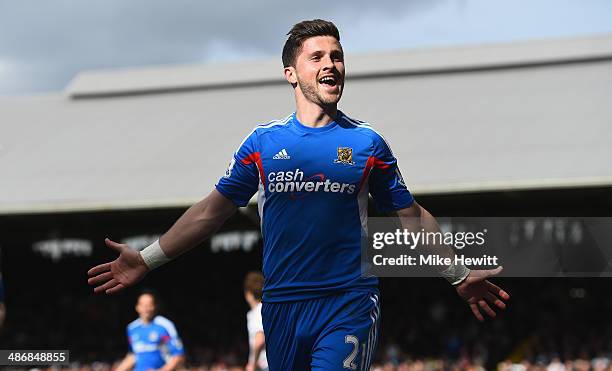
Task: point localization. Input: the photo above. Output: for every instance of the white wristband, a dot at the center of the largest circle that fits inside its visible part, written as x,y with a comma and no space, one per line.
154,256
455,274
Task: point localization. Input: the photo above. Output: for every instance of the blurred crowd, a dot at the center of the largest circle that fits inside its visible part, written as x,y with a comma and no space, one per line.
602,363
553,325
550,324
543,363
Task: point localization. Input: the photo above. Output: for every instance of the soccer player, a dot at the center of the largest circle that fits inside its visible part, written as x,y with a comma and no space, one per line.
253,289
153,340
313,172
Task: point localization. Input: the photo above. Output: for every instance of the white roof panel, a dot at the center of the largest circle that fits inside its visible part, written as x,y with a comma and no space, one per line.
529,125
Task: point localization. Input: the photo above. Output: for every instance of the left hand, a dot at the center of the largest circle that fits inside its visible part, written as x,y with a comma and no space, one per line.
478,292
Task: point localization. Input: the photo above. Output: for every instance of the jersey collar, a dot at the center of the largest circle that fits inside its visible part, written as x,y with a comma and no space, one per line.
307,129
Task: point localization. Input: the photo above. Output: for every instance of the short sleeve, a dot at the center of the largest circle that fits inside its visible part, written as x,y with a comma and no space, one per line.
172,340
387,185
257,320
241,180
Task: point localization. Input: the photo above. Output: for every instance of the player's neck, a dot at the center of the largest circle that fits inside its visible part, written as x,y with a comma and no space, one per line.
313,115
145,320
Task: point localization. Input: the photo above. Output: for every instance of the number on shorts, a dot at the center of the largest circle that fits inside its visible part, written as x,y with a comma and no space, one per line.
349,361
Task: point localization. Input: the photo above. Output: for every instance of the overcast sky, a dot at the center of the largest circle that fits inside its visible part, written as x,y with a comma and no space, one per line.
43,44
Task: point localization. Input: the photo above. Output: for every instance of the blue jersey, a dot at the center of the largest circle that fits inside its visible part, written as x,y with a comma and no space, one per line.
153,343
313,186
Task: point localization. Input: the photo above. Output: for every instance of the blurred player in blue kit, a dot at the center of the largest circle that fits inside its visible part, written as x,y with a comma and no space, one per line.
313,172
153,340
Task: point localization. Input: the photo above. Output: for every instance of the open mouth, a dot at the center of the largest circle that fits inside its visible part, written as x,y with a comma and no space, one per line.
328,80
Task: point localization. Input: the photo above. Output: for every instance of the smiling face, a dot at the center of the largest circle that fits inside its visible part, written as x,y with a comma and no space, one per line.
318,74
145,307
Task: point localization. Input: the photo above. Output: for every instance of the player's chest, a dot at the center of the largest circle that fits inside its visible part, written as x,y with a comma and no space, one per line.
312,165
146,340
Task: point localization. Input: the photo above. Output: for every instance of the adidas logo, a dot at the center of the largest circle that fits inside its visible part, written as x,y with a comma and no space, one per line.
282,155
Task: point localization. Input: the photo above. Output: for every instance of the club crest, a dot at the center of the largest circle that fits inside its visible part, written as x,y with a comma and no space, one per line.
345,156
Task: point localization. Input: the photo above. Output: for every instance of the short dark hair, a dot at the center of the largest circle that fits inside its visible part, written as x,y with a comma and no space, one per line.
153,294
253,283
302,31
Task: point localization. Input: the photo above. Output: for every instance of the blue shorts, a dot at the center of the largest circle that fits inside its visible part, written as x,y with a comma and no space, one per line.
335,332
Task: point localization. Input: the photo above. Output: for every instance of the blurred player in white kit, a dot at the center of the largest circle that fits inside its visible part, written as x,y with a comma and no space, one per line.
253,289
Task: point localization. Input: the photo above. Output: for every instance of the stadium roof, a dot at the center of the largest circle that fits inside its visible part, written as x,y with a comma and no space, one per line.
491,117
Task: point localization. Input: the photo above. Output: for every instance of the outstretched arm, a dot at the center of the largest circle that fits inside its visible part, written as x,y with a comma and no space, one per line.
199,222
472,285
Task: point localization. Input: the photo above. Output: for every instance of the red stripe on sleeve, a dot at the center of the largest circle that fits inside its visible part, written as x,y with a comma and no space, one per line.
372,163
255,158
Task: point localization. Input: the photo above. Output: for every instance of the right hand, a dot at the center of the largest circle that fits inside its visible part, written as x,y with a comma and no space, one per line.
126,270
